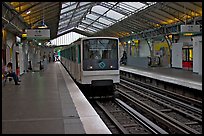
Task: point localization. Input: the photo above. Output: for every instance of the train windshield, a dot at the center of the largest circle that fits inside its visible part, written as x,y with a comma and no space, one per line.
100,54
100,49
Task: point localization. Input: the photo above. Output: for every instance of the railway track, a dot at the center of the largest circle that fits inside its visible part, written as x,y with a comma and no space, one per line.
172,115
194,102
121,118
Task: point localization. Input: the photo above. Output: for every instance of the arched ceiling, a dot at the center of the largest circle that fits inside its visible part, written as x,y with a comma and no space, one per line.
117,19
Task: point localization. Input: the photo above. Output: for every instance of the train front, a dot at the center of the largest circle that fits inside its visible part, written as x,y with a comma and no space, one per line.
100,61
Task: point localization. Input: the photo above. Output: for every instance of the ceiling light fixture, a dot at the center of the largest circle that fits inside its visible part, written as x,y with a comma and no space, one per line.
28,12
43,25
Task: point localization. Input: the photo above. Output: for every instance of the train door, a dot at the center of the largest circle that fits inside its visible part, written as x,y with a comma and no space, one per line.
187,57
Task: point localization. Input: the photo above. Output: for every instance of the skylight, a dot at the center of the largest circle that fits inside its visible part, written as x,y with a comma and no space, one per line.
95,16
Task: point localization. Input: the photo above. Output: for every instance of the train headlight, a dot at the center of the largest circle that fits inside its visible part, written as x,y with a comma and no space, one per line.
90,67
111,66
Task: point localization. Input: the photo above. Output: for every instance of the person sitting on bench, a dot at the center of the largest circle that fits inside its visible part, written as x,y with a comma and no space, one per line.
10,73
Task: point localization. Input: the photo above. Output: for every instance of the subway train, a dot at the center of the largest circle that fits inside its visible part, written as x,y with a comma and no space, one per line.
93,62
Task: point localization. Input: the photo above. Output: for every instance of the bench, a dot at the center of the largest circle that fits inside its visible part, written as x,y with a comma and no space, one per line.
5,78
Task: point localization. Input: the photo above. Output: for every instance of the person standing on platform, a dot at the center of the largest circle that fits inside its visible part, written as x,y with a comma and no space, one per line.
49,55
45,60
53,57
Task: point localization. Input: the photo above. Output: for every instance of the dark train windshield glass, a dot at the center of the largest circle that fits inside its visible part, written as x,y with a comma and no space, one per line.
100,49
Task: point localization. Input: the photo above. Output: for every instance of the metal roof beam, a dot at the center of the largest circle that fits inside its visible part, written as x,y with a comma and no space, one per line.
134,24
118,28
117,8
145,3
153,17
39,15
70,13
103,24
130,28
113,30
42,6
128,6
12,17
158,15
68,5
172,15
177,10
89,29
75,8
76,18
83,23
20,4
194,3
65,28
105,17
29,8
142,23
168,29
85,13
184,7
69,16
145,19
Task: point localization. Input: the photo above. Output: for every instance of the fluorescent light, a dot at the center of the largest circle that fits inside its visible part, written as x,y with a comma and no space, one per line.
42,26
28,12
188,34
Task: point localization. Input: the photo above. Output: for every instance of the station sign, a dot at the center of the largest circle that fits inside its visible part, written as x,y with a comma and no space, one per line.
190,28
41,34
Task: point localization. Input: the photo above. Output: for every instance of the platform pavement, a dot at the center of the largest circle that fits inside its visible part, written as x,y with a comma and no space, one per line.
41,104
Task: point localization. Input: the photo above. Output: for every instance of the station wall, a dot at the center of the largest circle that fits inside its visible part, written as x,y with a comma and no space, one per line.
138,59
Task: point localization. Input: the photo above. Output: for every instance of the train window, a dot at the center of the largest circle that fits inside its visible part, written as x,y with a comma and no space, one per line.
184,55
79,53
190,54
69,53
100,49
73,52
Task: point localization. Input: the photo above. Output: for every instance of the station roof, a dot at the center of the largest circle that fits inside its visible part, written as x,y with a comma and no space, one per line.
116,19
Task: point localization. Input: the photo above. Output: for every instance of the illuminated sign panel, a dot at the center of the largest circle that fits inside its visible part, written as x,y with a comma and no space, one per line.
190,28
38,33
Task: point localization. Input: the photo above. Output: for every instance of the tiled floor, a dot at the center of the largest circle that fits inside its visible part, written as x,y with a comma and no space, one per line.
41,104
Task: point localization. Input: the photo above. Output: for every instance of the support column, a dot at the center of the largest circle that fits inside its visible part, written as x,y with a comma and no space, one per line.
169,46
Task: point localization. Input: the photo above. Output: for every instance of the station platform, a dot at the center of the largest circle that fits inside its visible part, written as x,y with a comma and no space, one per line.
48,102
171,75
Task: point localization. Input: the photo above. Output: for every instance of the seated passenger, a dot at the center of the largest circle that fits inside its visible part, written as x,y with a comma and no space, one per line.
10,73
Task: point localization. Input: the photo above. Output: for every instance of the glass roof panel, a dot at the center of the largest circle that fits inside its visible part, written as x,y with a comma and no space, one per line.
95,26
99,9
65,4
65,15
104,21
92,16
84,3
68,8
132,6
98,26
114,14
64,22
82,27
112,3
104,12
